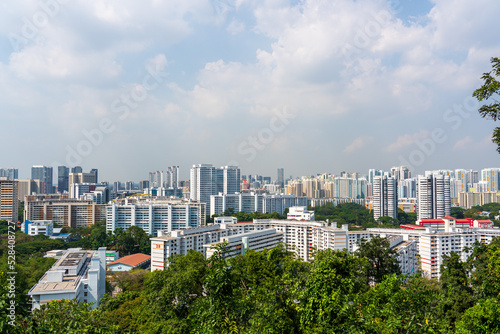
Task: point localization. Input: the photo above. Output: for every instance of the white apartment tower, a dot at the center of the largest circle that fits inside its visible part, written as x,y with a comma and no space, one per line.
385,197
207,180
490,178
433,196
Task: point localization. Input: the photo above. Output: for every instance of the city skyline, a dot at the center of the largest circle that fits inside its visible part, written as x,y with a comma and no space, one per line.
131,87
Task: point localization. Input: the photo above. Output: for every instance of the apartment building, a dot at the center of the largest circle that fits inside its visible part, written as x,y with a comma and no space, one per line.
62,211
8,199
154,214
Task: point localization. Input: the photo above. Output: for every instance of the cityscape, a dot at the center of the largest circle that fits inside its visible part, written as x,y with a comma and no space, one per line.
250,167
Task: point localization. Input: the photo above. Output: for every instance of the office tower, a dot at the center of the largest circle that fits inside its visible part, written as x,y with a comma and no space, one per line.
231,179
433,196
44,174
207,180
143,184
62,179
27,187
9,173
96,173
8,199
77,169
385,199
81,178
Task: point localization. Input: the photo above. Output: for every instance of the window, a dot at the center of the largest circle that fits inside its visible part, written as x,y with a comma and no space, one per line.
85,293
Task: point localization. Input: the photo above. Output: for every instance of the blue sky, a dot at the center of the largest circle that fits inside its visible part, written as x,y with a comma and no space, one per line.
312,86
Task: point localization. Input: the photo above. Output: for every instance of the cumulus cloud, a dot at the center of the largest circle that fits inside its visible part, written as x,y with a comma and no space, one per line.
340,66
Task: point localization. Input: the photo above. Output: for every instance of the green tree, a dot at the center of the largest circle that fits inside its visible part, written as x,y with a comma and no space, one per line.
381,259
64,317
170,295
400,305
325,303
490,91
457,294
484,267
483,318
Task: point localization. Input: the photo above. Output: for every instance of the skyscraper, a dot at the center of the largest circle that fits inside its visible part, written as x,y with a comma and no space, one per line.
44,174
385,199
95,171
207,180
62,179
9,173
77,169
433,196
281,177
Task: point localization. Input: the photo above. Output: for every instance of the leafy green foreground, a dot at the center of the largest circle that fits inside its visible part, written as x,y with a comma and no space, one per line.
273,292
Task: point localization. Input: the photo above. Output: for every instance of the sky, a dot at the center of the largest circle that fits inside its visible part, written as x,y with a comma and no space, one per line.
313,86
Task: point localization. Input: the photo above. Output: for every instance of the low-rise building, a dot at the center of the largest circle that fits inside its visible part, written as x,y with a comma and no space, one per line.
238,244
78,274
37,227
300,213
130,262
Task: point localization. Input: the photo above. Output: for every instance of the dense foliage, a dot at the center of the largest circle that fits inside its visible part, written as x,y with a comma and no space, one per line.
274,292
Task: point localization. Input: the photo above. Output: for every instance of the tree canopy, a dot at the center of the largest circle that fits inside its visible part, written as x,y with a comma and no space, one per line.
490,92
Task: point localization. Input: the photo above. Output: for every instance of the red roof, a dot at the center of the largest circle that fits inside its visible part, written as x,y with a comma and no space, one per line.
465,221
440,221
132,260
485,221
412,227
448,217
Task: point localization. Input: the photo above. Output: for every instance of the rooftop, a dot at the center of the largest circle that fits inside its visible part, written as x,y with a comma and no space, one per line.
132,260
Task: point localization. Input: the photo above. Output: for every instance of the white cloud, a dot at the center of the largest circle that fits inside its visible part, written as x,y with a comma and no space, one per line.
407,140
357,144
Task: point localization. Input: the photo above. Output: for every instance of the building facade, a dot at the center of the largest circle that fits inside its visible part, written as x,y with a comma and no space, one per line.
153,215
63,212
433,196
8,199
385,197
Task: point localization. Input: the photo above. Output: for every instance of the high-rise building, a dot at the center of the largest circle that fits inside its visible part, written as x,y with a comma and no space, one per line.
44,174
400,173
207,180
77,169
8,199
95,171
82,178
231,179
9,173
281,177
62,179
385,197
27,187
490,178
152,215
433,196
172,177
62,211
